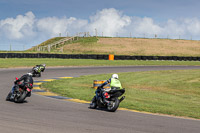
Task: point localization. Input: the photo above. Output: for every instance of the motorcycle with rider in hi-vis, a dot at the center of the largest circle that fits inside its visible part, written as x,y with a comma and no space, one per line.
36,71
108,97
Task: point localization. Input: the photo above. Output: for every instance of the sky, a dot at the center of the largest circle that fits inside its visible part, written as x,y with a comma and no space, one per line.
26,23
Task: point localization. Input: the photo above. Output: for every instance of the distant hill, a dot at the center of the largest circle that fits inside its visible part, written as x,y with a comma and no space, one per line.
128,46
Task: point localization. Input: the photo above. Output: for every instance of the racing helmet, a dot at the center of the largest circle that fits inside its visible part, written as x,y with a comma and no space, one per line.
30,74
115,76
43,65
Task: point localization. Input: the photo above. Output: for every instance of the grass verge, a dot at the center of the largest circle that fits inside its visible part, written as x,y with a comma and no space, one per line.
172,92
27,62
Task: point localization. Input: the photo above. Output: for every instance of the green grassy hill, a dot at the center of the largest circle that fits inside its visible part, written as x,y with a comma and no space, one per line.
126,46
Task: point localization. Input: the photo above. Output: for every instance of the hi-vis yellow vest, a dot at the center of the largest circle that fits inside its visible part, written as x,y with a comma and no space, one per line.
115,83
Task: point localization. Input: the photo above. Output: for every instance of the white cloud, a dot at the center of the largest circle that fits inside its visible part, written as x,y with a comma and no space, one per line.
53,26
173,28
192,26
184,28
108,21
26,28
19,27
140,26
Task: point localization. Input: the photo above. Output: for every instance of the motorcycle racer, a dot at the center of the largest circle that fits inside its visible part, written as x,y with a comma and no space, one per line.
114,84
36,71
27,82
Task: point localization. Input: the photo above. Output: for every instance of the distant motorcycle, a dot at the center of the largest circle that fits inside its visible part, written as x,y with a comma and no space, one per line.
36,71
19,94
98,100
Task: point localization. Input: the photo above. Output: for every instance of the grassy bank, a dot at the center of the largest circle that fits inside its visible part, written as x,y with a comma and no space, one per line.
174,92
128,46
15,62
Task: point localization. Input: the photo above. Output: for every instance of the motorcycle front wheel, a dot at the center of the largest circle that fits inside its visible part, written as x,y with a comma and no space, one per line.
114,105
8,96
93,104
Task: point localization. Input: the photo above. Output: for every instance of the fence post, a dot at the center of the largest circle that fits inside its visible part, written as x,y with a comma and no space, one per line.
62,49
49,48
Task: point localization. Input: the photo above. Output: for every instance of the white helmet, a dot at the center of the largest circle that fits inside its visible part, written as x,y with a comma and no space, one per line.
30,74
115,76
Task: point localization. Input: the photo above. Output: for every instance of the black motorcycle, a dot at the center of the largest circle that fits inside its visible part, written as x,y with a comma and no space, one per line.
99,101
19,94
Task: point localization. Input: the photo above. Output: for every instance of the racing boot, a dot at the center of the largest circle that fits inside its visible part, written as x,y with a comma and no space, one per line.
12,97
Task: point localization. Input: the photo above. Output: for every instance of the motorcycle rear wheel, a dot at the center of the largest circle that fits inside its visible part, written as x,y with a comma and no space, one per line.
38,75
21,98
114,105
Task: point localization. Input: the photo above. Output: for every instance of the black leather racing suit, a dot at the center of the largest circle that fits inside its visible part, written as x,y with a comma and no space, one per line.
27,82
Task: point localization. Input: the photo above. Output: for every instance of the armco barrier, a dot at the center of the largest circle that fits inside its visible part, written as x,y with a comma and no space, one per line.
98,57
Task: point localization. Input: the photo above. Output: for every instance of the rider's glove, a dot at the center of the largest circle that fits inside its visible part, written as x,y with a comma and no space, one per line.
99,88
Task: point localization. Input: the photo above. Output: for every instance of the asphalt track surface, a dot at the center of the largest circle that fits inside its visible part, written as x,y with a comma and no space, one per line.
40,114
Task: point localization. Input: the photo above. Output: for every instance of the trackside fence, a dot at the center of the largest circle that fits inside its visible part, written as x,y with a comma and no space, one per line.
98,57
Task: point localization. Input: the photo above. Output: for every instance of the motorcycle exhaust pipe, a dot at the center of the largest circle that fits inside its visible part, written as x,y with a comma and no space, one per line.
122,98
